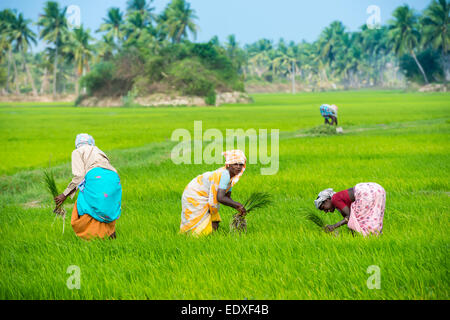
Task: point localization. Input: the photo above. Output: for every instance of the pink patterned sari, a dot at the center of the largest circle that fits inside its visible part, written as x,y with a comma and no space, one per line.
367,211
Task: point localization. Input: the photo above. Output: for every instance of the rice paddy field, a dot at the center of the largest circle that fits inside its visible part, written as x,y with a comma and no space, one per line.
399,140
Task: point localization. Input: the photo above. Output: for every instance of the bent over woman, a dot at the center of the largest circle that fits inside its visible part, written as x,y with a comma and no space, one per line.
98,205
201,197
329,113
361,206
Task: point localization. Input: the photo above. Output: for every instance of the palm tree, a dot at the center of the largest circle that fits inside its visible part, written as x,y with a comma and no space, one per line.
44,62
260,63
143,7
179,19
284,64
23,36
436,30
260,55
81,50
105,48
305,57
404,34
376,48
7,19
330,40
348,59
135,25
54,30
113,24
234,52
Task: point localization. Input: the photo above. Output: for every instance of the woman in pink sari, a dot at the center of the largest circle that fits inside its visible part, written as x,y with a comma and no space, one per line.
361,206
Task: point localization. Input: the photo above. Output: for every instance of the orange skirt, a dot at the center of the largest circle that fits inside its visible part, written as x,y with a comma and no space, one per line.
87,227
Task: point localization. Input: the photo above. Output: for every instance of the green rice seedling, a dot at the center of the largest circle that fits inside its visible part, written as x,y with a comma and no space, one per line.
317,220
50,183
255,201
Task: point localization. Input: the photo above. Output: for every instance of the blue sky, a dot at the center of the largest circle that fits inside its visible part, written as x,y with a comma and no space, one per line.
248,20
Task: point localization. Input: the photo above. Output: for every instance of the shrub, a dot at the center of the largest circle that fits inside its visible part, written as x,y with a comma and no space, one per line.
99,77
79,99
210,98
192,78
128,100
154,68
3,76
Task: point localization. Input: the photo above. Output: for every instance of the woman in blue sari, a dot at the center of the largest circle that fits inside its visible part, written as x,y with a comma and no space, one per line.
98,205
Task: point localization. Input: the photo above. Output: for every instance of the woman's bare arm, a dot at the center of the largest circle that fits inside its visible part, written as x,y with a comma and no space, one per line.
225,199
346,214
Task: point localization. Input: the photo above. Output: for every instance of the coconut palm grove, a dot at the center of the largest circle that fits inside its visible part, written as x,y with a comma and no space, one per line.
140,163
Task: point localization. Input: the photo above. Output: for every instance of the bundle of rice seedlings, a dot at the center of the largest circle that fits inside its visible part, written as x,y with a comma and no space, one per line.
317,220
257,200
50,183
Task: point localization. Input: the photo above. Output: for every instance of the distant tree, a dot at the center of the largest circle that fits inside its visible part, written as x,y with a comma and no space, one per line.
113,25
22,36
135,26
215,41
234,52
54,30
375,49
105,48
330,40
436,30
7,19
44,63
404,34
177,19
81,50
143,8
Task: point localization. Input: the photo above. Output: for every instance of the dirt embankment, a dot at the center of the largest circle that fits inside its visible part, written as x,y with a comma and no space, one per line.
40,98
160,99
435,87
287,87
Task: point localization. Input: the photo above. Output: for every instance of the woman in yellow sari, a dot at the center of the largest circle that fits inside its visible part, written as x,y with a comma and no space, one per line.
201,198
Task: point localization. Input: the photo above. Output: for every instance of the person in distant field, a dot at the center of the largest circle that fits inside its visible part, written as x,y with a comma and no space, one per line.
329,113
202,196
362,207
98,205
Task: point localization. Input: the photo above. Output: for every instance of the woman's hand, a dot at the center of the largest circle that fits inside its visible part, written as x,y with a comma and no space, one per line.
60,199
241,209
329,228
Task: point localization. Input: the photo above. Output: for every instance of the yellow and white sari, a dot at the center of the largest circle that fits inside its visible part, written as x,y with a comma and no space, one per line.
199,201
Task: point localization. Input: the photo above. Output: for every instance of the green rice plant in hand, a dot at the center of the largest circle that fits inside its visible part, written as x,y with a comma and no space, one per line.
317,220
49,180
255,201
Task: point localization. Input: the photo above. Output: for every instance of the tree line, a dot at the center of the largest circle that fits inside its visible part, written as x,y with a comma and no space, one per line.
412,45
